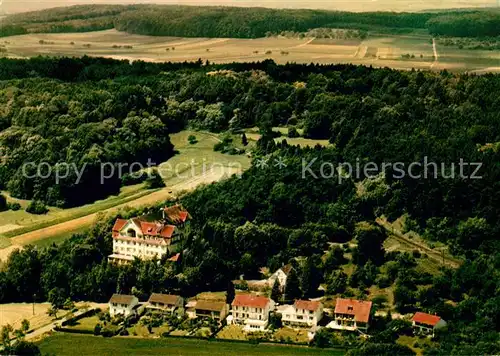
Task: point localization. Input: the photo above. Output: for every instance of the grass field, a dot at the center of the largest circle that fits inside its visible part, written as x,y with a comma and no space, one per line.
379,51
193,165
69,344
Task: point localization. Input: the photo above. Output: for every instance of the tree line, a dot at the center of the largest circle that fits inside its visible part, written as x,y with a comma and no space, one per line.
188,21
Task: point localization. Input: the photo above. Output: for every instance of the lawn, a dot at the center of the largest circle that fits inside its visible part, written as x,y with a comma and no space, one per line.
291,335
233,332
70,344
85,323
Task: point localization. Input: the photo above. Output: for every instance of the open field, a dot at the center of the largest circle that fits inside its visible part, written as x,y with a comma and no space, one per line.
70,344
14,313
194,165
13,6
381,51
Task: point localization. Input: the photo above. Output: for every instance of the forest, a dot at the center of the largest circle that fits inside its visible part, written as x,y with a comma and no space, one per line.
188,21
271,216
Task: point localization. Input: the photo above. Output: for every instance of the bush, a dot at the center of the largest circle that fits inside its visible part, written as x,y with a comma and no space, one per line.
37,207
3,203
292,132
155,180
192,139
131,179
14,206
97,329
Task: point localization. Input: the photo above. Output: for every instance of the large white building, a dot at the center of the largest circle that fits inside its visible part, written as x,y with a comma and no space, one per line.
122,304
251,311
302,313
143,239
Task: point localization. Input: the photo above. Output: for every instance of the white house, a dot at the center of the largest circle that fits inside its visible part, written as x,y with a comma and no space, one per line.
143,239
426,323
166,302
351,314
302,313
251,311
122,304
281,276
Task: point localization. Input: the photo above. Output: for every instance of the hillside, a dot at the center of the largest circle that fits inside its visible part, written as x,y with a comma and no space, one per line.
244,22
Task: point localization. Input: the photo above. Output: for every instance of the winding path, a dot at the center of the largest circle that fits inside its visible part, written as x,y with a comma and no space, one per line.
434,49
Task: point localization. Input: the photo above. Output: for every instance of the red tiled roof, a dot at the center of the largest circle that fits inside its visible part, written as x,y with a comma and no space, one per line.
248,300
176,214
175,257
119,224
359,308
307,305
426,319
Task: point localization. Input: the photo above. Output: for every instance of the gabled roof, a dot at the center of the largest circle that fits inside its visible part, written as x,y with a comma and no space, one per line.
119,224
427,319
209,305
249,300
307,305
358,308
122,299
147,228
176,214
164,298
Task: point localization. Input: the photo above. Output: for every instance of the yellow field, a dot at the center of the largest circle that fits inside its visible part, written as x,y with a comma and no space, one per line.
386,51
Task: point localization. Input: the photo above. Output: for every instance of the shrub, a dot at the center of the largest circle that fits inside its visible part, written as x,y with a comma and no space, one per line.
292,132
192,139
155,180
14,206
97,329
131,179
37,207
3,203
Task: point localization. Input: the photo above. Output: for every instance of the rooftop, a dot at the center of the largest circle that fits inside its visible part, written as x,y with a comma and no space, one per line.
209,305
164,298
249,300
360,309
176,214
427,319
122,299
307,305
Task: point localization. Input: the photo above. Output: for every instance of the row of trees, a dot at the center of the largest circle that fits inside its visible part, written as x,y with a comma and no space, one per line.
243,22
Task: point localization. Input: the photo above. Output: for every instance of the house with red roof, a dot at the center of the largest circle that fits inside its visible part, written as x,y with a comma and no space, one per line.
351,314
303,313
252,311
176,215
424,323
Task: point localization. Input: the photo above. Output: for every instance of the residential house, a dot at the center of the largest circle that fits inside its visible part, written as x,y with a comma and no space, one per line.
251,311
426,323
302,313
138,238
122,304
208,309
351,314
166,302
281,276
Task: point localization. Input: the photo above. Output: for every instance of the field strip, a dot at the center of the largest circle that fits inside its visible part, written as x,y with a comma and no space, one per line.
304,44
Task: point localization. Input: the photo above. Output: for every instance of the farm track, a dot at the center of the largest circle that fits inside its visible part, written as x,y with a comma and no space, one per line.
400,237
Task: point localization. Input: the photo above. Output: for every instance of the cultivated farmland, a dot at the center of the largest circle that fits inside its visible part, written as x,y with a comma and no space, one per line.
396,51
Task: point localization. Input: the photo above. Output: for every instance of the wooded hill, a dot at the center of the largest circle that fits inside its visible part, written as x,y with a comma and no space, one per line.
188,21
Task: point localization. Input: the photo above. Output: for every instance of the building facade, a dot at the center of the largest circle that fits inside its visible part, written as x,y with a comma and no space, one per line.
122,304
351,315
208,309
303,313
251,311
143,239
166,302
